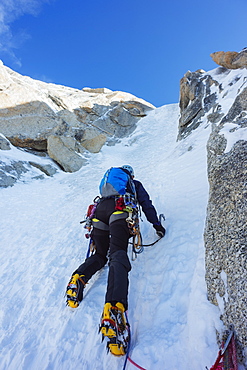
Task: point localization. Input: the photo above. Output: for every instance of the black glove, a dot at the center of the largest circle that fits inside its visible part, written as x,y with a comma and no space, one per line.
160,230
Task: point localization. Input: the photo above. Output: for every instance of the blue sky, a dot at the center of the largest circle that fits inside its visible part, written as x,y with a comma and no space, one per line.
139,46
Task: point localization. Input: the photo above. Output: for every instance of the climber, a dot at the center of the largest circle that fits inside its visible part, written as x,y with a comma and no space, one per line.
120,195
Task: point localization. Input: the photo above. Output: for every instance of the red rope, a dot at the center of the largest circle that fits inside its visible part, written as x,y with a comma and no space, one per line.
234,353
135,364
227,358
217,365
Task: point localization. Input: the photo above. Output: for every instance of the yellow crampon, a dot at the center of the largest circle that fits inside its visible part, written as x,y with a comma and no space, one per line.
73,290
116,349
107,323
113,327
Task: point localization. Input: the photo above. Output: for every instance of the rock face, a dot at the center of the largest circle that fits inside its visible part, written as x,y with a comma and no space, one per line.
231,59
219,99
15,170
4,143
66,150
65,121
225,230
225,233
30,167
196,99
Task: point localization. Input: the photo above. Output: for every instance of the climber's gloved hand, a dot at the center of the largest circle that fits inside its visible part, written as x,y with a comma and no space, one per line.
160,230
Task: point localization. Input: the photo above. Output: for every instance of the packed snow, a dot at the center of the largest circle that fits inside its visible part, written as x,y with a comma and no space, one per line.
42,242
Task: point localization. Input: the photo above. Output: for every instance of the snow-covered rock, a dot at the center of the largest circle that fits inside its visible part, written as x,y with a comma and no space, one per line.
4,143
31,111
219,99
19,165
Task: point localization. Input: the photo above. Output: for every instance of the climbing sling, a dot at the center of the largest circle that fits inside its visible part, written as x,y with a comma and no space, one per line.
137,245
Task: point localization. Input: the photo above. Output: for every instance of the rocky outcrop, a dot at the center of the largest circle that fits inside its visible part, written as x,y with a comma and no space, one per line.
22,165
66,151
225,230
4,143
230,59
64,121
196,99
29,124
219,99
11,173
199,98
97,90
16,170
225,233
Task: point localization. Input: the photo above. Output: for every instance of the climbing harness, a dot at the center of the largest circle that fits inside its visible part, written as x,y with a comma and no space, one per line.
88,225
123,204
136,242
137,246
90,214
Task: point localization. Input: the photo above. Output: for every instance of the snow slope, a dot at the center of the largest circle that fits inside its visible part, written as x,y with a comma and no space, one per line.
42,243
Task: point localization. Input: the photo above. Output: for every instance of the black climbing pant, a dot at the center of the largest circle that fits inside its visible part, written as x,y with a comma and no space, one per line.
115,240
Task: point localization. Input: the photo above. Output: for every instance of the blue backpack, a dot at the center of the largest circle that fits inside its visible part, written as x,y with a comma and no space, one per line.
116,182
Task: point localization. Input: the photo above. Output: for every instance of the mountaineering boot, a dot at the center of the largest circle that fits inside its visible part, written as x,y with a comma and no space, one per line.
74,290
114,327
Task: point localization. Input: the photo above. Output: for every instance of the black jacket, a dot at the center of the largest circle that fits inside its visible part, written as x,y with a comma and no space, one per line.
146,203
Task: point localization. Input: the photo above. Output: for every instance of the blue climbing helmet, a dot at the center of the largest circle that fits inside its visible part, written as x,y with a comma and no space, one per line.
128,168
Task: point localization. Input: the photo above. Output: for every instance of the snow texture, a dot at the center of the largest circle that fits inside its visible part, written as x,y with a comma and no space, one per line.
42,243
